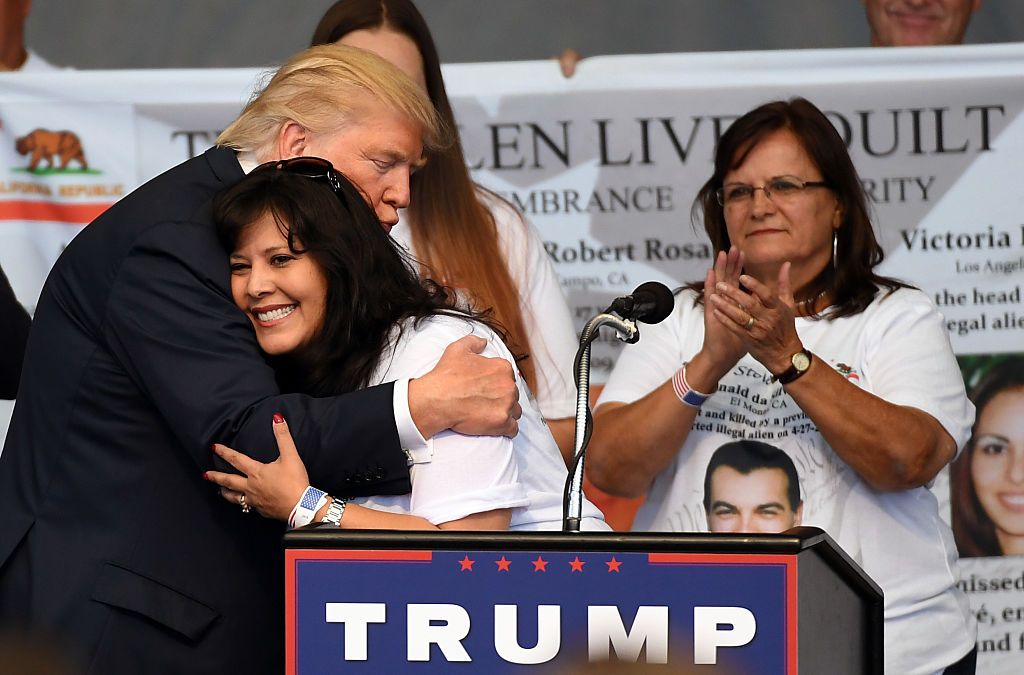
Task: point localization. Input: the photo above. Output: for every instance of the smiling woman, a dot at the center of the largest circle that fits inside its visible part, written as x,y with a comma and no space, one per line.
281,290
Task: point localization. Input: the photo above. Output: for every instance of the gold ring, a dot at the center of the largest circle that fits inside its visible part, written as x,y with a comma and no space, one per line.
750,323
245,507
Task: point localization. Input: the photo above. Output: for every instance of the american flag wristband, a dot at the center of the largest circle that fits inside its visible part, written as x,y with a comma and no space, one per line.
684,392
312,501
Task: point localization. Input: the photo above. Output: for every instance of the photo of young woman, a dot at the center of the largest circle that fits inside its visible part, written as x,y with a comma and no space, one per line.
987,480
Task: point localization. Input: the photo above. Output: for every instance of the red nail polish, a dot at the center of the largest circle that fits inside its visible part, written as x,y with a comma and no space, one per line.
206,475
213,446
278,418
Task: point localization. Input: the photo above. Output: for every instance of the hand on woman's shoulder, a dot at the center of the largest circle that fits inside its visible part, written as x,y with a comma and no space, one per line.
420,346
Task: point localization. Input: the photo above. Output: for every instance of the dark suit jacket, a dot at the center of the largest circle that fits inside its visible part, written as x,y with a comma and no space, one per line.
14,325
138,360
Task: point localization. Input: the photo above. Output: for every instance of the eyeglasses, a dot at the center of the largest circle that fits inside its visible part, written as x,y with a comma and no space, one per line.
316,168
777,189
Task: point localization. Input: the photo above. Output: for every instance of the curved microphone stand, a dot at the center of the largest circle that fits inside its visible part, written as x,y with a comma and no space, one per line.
626,331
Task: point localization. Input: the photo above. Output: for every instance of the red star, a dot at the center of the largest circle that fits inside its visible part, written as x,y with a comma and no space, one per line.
576,565
503,564
613,565
466,564
540,565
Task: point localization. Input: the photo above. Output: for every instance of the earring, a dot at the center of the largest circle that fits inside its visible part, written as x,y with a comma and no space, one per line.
835,249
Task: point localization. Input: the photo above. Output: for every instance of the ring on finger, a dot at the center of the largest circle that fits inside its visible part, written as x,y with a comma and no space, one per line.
750,322
245,507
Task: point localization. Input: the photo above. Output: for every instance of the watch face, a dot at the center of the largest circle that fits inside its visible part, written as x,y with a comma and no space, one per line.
801,361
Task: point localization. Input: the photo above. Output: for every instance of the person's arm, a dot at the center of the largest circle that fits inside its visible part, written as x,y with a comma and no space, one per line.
273,489
13,338
185,344
633,442
892,447
193,353
458,481
891,438
466,392
458,475
362,518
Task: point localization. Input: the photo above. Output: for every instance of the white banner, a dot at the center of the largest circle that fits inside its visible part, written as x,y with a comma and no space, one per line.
606,165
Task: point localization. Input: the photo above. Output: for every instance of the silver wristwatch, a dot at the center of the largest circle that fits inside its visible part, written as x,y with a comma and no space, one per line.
335,511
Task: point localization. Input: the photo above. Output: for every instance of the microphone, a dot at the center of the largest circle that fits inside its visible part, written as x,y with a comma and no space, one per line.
651,302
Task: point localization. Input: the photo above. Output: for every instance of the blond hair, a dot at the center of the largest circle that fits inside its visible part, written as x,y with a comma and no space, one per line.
325,89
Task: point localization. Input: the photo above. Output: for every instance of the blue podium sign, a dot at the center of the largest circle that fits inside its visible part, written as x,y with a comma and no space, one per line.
500,610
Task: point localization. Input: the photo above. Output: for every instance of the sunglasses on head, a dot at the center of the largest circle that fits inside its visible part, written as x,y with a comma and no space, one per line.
316,168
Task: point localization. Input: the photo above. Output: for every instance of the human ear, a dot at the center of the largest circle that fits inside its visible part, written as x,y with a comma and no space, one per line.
292,141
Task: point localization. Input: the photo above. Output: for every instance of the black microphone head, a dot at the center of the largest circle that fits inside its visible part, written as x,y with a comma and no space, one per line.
654,302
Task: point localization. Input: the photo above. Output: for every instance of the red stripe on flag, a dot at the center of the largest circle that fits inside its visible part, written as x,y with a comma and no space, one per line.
75,214
719,559
362,555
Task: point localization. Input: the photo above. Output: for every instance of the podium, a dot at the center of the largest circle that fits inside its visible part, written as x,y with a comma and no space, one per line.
398,602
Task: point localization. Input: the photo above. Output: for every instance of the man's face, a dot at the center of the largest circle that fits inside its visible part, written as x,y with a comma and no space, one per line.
753,502
378,152
918,23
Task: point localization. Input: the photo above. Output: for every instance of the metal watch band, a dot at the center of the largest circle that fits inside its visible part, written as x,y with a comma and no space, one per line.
335,511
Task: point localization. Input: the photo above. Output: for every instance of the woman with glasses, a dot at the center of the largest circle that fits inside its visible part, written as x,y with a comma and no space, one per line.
793,339
464,235
337,307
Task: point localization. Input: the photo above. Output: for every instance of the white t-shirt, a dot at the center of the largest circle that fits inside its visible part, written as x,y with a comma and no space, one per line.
546,318
899,350
457,475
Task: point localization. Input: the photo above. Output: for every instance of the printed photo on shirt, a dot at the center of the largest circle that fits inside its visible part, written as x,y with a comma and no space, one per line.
750,486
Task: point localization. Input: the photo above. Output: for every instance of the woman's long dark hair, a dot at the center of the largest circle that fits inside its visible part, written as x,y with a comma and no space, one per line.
371,286
973,529
453,231
851,279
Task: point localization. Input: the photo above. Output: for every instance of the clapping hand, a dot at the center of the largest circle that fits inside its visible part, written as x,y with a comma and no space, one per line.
764,321
724,346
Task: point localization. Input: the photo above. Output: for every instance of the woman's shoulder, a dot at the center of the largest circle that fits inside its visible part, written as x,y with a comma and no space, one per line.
417,344
904,311
901,299
440,330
